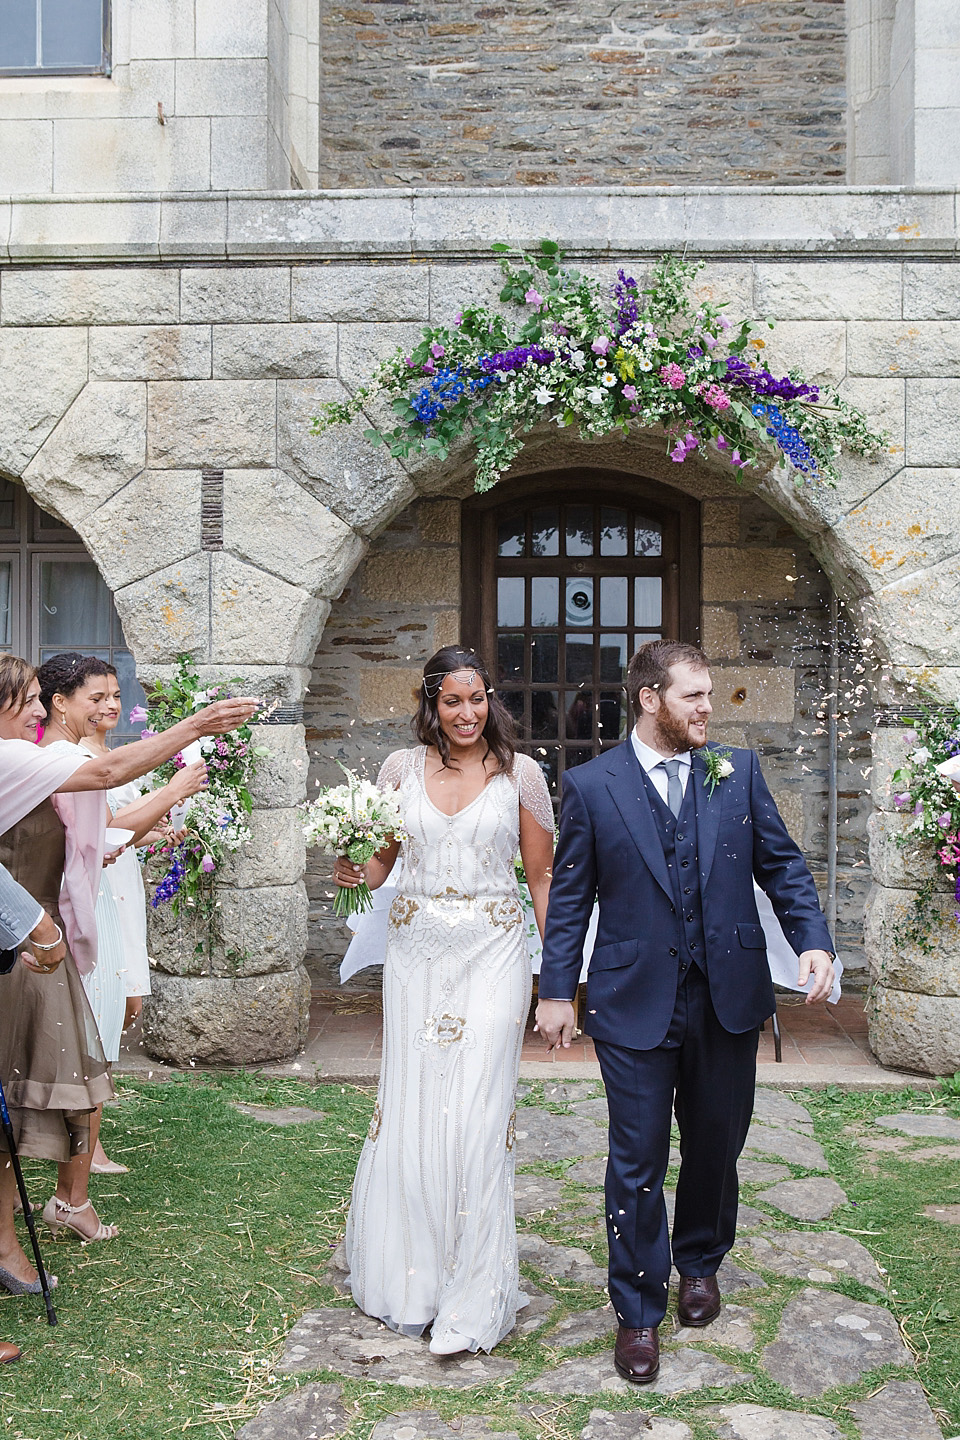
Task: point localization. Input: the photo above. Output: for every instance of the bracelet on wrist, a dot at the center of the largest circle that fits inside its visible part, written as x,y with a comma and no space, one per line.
35,944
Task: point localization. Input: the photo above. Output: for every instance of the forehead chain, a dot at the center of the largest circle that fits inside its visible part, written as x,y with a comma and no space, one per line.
433,682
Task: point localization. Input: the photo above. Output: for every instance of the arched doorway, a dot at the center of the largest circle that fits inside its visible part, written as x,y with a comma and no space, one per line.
53,597
563,577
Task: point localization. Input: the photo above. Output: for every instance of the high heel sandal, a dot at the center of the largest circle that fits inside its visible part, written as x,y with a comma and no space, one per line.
58,1215
23,1287
108,1167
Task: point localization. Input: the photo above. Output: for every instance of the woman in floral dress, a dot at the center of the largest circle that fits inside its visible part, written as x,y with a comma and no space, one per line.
431,1238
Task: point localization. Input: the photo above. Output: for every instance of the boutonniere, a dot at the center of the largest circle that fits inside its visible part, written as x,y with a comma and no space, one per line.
718,766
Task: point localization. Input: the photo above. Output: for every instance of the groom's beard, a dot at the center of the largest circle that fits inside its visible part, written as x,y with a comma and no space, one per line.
673,731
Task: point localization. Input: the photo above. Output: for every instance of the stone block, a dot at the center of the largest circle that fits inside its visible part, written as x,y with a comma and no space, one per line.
439,521
98,447
720,633
898,963
897,1412
90,297
240,153
239,29
413,577
826,1339
281,778
898,867
191,228
383,293
276,855
828,290
276,524
235,295
211,423
226,1021
916,348
915,1032
911,610
364,486
728,283
167,613
931,291
222,87
748,694
152,523
720,522
278,687
741,573
262,929
446,628
816,347
908,524
363,346
256,618
320,224
757,1422
150,352
160,29
388,691
43,373
281,351
884,402
75,227
26,157
453,287
102,157
889,747
933,422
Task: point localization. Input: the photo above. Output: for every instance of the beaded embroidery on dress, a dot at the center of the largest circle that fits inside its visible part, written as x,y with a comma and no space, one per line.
431,1235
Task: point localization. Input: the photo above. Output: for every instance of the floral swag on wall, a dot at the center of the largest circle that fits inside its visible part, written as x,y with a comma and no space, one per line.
601,358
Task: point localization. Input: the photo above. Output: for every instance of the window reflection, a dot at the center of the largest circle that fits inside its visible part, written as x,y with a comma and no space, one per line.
613,531
510,536
579,714
544,599
647,537
647,593
545,531
579,529
510,657
510,600
544,657
579,602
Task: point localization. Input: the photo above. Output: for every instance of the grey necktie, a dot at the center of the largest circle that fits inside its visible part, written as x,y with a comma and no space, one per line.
674,788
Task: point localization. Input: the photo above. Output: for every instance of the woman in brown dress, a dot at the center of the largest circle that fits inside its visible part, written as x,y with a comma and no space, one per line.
53,1066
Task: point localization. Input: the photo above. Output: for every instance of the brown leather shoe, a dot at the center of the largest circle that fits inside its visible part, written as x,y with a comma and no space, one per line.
699,1301
637,1354
8,1352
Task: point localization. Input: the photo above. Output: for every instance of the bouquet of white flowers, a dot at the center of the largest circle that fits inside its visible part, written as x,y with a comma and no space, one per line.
356,820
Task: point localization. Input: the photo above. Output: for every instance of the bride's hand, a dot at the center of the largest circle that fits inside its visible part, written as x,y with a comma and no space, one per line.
346,874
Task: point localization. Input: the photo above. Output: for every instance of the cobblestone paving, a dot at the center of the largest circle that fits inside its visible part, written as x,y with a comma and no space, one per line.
833,1329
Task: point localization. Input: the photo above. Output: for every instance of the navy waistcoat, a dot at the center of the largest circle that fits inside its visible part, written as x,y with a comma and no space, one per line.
678,836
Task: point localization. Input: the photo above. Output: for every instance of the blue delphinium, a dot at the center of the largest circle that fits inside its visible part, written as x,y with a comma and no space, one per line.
171,882
444,390
788,437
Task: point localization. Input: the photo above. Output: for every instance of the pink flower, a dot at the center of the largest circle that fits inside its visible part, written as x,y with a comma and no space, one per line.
630,392
736,460
601,345
722,442
428,367
691,441
716,397
458,318
672,376
710,341
208,865
533,297
679,453
436,350
138,716
723,322
148,734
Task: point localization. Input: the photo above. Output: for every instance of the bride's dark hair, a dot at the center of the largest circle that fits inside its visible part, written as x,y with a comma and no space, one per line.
499,731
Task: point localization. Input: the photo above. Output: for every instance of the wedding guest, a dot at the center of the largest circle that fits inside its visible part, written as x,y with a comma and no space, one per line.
51,839
431,1239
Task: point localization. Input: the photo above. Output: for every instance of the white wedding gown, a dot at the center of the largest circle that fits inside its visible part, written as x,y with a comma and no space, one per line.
431,1236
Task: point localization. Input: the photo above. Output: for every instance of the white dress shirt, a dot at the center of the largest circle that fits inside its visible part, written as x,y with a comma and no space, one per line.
652,762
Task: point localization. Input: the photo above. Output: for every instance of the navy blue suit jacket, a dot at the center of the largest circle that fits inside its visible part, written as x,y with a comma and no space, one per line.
609,851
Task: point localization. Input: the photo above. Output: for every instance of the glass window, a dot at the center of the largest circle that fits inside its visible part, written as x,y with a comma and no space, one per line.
544,599
613,531
580,602
509,600
510,536
579,529
546,531
647,600
66,37
6,606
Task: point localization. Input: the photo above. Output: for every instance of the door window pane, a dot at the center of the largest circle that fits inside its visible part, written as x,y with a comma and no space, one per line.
577,755
509,600
613,657
647,600
76,607
510,657
545,531
613,531
613,600
543,715
8,495
579,529
613,715
579,602
544,599
18,34
579,714
544,659
579,662
647,537
71,33
6,605
513,700
510,536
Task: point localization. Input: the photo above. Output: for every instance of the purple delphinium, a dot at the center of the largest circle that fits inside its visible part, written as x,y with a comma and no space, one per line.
506,361
761,382
171,883
625,295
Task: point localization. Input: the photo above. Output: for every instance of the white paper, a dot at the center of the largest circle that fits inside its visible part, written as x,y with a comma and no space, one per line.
950,768
192,753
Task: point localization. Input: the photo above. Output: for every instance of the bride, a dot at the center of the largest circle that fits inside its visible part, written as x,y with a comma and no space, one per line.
431,1238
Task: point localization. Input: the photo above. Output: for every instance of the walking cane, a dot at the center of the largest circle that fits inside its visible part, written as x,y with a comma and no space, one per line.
27,1210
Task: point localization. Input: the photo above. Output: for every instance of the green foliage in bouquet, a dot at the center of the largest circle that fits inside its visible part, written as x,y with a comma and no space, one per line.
575,352
933,805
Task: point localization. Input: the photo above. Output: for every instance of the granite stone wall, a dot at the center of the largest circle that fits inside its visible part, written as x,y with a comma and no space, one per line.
581,92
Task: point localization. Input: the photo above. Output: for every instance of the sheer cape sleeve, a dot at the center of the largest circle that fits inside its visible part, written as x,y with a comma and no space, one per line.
533,792
394,770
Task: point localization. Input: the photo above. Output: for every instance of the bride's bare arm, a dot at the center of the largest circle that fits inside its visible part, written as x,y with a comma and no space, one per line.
129,762
375,872
536,852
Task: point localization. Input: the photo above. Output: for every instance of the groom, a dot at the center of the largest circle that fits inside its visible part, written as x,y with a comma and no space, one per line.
668,835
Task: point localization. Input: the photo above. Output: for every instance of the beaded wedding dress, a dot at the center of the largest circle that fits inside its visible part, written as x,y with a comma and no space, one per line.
431,1237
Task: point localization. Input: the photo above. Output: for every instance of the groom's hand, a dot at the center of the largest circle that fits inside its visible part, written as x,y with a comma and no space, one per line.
819,964
557,1022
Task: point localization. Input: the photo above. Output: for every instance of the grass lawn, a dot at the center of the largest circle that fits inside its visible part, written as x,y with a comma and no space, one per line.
228,1225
